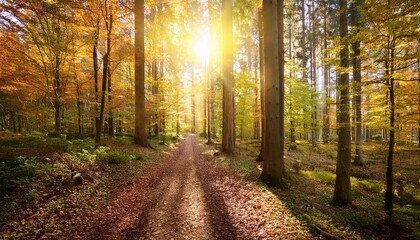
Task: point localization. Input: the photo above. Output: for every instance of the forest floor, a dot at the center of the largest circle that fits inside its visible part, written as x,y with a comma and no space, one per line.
186,189
184,196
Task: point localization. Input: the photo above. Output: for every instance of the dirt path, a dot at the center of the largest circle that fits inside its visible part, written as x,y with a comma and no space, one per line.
185,197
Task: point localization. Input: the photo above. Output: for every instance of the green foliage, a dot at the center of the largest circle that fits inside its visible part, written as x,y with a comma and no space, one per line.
113,157
299,105
17,171
32,196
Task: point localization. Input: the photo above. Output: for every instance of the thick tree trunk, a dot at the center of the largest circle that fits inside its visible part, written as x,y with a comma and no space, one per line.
228,137
342,190
357,81
273,165
262,81
140,136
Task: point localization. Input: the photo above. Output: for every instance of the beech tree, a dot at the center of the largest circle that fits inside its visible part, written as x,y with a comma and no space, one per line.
140,136
342,190
272,155
357,79
228,137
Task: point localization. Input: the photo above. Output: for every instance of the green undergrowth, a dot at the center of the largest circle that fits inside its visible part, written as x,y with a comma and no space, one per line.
36,173
311,177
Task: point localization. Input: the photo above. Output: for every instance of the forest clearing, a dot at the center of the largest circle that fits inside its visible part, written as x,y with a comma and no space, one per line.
210,119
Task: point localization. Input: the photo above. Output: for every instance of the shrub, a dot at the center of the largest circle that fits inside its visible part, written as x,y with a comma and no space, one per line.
113,157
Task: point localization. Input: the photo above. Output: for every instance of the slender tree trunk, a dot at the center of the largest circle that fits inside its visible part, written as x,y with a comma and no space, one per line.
342,190
314,134
194,117
140,136
205,115
155,92
326,112
303,40
79,109
418,83
357,80
389,66
291,117
228,138
105,74
96,77
209,101
110,113
57,92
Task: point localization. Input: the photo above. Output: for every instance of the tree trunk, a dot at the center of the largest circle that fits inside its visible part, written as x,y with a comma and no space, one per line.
418,83
303,42
291,117
342,190
95,76
110,113
57,92
262,81
105,73
389,68
155,93
326,112
209,102
140,136
228,138
79,109
273,165
357,82
314,134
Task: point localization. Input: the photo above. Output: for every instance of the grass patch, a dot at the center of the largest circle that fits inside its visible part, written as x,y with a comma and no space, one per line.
324,176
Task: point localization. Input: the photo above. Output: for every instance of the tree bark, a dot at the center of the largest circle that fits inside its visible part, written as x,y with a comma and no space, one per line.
357,82
105,73
389,68
194,117
273,166
418,83
110,113
228,138
326,112
95,76
314,133
140,136
262,81
342,190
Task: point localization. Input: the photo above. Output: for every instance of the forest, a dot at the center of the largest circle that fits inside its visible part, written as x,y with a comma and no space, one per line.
209,119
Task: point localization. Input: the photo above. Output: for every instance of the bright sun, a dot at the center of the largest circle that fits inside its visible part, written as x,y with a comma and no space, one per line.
202,48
